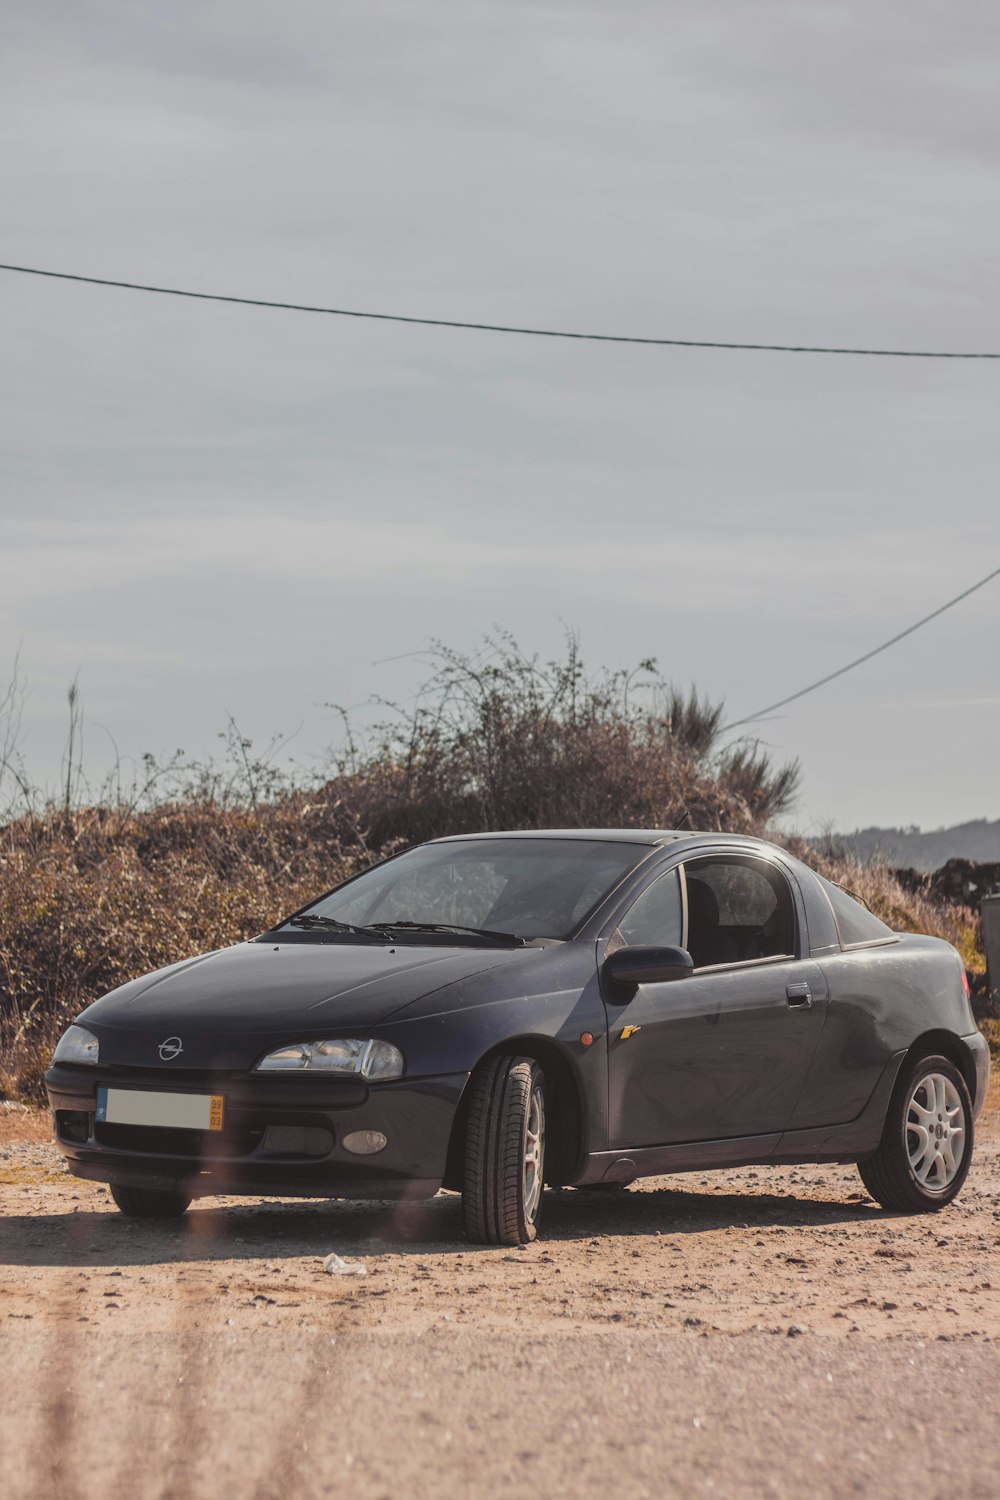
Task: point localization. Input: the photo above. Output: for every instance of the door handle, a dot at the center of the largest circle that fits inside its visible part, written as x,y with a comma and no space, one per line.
799,996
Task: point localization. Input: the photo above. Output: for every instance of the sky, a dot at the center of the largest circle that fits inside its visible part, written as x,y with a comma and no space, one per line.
211,511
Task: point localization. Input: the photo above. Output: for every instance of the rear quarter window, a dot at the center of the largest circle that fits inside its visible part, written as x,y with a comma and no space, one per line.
855,923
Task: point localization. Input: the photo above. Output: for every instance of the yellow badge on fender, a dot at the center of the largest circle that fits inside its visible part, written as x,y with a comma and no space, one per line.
628,1031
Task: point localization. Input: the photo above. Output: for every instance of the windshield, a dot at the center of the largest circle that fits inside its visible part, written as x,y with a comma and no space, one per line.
534,888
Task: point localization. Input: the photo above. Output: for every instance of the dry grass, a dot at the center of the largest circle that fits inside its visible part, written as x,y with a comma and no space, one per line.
24,1124
92,896
992,1105
90,899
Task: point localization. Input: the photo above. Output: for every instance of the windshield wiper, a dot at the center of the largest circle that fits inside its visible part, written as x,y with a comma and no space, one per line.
308,920
508,939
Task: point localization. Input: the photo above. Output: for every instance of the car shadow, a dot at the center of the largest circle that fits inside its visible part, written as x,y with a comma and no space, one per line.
219,1231
572,1214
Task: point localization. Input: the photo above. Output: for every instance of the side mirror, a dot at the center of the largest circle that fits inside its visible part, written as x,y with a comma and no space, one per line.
634,966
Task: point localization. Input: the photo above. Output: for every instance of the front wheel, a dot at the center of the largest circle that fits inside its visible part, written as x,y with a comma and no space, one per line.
151,1203
926,1147
505,1152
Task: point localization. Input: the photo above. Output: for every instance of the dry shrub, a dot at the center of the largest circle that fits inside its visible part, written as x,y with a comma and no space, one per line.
499,740
90,899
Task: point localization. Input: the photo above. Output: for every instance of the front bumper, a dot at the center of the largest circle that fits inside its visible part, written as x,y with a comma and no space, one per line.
282,1136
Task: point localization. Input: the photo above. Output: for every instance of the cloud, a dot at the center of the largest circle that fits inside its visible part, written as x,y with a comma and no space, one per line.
198,496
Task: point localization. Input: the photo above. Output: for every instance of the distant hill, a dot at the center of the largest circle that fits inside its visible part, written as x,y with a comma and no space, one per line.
913,848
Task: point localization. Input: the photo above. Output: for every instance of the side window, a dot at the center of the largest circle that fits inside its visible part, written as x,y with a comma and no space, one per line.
738,910
655,918
855,923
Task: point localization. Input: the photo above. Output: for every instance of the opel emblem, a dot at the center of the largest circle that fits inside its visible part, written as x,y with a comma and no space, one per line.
171,1048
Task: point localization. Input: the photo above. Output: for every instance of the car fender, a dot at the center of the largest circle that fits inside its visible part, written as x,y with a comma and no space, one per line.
569,1024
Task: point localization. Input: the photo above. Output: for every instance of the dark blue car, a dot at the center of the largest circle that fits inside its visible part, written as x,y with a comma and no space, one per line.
492,1013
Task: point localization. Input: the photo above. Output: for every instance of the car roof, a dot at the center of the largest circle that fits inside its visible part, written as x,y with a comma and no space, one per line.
642,836
651,837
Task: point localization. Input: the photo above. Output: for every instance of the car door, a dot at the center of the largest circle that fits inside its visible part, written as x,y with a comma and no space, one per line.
724,1052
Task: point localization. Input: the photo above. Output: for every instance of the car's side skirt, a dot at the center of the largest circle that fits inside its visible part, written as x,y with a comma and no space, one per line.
655,1161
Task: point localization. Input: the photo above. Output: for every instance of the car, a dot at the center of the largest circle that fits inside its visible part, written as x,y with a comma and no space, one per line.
494,1013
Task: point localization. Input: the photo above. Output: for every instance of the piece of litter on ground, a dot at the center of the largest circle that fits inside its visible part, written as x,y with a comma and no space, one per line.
334,1266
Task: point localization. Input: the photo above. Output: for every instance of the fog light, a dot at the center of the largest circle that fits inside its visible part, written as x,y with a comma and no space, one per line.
73,1125
364,1142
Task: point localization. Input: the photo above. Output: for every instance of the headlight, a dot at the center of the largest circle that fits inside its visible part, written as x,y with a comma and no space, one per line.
76,1045
366,1059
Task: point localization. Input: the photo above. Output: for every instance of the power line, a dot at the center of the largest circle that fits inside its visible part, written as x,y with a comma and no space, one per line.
541,333
867,656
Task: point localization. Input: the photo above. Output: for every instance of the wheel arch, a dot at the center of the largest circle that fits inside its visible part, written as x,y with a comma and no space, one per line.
946,1044
565,1112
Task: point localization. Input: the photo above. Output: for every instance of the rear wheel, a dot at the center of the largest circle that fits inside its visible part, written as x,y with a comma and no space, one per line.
505,1152
151,1203
926,1148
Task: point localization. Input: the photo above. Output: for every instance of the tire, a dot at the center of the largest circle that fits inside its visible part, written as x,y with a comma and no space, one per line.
151,1203
505,1152
926,1148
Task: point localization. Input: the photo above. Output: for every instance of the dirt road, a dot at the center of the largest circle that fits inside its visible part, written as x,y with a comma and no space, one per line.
745,1333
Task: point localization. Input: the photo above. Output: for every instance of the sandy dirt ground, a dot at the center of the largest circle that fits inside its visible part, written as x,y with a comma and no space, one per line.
761,1332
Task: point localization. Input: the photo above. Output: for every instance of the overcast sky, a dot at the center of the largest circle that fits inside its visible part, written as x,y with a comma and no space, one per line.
215,510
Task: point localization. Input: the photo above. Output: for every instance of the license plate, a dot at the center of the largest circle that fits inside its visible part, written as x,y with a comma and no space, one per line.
173,1111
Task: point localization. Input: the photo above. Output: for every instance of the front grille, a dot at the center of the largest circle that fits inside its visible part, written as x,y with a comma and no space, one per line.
201,1145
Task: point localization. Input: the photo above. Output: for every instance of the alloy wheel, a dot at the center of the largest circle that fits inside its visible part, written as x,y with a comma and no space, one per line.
935,1132
533,1165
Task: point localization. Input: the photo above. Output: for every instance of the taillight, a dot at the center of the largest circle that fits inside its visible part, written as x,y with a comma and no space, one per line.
965,984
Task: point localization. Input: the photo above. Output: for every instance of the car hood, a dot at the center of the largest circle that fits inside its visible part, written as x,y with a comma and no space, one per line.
226,1007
